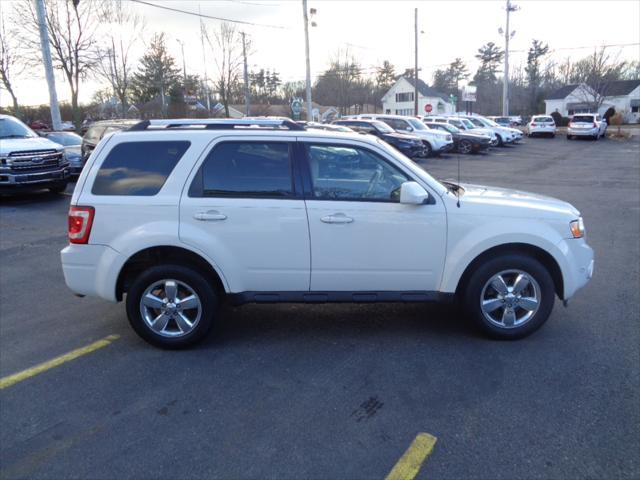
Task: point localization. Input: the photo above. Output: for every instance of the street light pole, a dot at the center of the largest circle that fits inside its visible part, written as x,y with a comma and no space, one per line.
415,71
505,82
306,51
56,121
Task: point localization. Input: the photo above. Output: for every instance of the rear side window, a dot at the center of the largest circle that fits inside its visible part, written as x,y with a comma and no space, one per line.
246,169
138,168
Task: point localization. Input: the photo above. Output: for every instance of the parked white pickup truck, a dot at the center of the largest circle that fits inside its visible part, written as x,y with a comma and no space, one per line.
28,161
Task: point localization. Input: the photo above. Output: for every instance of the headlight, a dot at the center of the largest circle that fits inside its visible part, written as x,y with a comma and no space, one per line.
577,228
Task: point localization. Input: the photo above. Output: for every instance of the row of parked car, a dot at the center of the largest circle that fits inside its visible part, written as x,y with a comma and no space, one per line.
419,137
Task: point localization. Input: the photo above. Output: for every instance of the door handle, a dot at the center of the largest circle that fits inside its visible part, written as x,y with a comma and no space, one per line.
336,218
210,216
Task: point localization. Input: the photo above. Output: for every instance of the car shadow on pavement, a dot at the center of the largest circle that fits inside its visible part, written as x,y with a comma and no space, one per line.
339,322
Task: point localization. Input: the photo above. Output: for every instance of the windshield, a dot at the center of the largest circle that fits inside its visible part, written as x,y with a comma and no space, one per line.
411,165
14,128
65,139
382,127
417,124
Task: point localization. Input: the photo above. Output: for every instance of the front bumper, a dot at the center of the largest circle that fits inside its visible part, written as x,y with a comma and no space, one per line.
35,179
442,147
579,267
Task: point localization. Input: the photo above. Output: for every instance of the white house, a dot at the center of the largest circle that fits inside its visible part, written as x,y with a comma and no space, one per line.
623,95
399,100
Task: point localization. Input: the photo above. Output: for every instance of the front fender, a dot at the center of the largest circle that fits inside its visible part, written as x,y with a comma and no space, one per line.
471,243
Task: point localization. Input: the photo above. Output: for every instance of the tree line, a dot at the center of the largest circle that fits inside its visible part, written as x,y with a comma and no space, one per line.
96,40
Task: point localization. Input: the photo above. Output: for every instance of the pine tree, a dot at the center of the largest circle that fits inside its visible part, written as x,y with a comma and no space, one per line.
157,74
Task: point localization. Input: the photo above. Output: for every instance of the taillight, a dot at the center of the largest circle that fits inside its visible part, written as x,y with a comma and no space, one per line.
534,125
80,222
570,124
595,124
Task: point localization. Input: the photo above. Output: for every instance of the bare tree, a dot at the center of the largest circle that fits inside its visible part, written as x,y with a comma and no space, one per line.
124,30
10,63
73,28
228,43
595,73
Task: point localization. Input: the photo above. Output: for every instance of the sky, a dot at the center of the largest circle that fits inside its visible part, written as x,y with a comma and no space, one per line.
373,31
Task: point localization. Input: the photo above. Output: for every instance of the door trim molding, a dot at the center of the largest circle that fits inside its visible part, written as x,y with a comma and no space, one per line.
413,296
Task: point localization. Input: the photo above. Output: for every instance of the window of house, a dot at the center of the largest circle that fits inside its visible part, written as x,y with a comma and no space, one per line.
404,97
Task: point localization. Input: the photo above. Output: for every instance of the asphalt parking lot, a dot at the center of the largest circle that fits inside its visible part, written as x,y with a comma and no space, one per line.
338,391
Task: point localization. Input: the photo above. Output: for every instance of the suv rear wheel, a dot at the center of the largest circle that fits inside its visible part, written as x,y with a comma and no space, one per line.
171,306
510,297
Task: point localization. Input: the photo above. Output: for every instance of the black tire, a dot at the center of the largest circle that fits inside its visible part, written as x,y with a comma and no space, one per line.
428,151
190,277
500,142
472,295
465,147
58,188
568,137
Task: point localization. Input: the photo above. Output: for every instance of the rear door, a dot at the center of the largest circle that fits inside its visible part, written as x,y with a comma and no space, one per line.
243,207
362,238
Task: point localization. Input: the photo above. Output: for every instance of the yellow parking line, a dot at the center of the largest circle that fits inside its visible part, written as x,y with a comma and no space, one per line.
410,463
55,362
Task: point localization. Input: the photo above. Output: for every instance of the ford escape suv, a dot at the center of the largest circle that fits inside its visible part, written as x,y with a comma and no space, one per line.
176,216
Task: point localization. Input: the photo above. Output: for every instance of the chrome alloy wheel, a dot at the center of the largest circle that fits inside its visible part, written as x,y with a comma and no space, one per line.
170,308
465,146
510,298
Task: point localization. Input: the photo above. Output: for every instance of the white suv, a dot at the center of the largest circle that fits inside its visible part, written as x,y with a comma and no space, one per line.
587,125
182,214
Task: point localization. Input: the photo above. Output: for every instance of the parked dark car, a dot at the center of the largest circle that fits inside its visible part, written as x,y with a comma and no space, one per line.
98,130
72,143
463,141
410,145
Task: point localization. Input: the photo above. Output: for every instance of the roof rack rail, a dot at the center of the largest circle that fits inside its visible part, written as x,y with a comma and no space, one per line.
216,123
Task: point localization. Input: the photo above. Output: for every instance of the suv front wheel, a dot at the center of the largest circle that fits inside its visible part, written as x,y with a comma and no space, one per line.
510,297
171,306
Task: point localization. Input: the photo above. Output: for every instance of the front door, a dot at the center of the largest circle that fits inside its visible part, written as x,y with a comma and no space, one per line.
362,238
245,213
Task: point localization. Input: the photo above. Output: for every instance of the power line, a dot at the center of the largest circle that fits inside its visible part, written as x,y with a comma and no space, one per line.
211,17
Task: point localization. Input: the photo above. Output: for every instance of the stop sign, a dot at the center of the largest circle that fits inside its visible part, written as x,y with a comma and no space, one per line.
428,108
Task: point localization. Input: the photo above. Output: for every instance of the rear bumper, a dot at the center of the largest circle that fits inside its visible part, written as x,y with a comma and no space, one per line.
583,132
87,270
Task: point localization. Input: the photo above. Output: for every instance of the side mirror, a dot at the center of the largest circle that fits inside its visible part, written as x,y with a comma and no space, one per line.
408,129
412,193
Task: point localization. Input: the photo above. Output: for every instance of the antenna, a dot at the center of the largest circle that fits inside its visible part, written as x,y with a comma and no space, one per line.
458,191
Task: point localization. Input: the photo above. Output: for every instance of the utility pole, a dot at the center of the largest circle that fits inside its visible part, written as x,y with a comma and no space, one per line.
505,82
415,71
184,65
56,121
306,51
247,93
204,63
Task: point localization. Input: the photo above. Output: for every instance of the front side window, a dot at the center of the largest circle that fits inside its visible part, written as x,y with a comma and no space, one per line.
138,168
94,134
352,174
247,169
